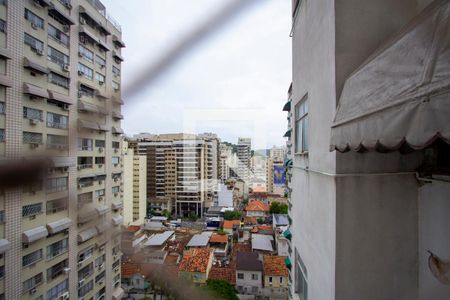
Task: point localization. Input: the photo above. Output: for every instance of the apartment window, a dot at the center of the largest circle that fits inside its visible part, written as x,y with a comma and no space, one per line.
86,91
32,258
300,284
85,71
115,86
116,71
32,137
2,26
35,21
240,275
56,184
2,272
54,206
32,114
57,270
100,276
115,145
56,121
85,144
85,198
85,288
56,141
100,61
34,43
301,125
100,160
85,254
57,290
99,193
86,271
86,53
84,162
2,216
2,107
58,80
57,56
3,2
100,143
2,135
99,77
58,35
281,279
254,276
32,282
115,160
115,189
100,260
116,263
85,182
270,279
31,209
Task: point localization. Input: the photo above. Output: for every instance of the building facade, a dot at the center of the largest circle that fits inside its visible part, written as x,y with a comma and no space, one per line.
134,187
364,219
60,97
244,155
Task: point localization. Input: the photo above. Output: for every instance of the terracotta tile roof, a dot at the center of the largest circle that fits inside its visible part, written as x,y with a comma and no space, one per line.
129,269
223,273
250,220
256,205
195,260
219,238
228,224
275,266
133,228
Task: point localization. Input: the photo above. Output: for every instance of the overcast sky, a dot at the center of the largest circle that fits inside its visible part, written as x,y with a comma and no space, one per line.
233,83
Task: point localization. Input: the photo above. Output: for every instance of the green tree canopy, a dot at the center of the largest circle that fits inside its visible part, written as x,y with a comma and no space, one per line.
278,208
232,215
221,289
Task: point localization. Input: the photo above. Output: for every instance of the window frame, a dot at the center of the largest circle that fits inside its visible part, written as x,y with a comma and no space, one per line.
301,126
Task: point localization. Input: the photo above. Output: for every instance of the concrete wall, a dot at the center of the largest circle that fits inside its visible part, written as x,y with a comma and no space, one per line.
245,285
434,225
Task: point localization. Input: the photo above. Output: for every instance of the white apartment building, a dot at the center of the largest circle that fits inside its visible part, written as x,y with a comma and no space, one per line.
277,153
368,80
60,96
244,148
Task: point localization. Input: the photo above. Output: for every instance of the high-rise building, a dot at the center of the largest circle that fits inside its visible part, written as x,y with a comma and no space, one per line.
258,180
244,148
225,158
368,80
134,187
277,153
182,170
60,97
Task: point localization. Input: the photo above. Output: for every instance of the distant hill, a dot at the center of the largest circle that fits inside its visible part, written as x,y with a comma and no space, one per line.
262,152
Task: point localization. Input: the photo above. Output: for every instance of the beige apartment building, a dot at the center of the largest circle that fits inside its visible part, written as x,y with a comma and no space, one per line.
60,97
182,171
134,187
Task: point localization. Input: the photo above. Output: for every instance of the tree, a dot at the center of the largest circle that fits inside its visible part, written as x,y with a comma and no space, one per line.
192,216
221,289
232,215
260,221
220,231
278,208
166,214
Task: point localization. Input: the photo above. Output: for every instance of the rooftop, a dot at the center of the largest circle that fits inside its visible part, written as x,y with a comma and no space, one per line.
133,228
280,220
200,240
275,266
228,224
248,261
129,269
218,238
262,242
196,260
159,239
223,273
257,205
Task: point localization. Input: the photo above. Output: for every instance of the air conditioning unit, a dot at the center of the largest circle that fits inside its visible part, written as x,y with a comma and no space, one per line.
100,282
83,40
32,291
37,4
64,296
34,26
34,145
80,73
80,283
66,270
100,165
100,181
82,21
79,167
80,54
39,52
66,68
116,269
102,66
116,194
80,186
80,94
116,150
100,149
101,82
101,249
100,198
66,28
65,107
34,121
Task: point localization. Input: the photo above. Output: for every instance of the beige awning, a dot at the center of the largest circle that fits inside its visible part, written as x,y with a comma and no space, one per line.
118,41
103,127
117,56
60,14
102,227
117,100
101,94
63,161
5,81
117,205
5,53
86,215
87,234
400,98
117,115
34,234
59,225
118,294
34,66
89,107
116,130
34,90
88,125
103,45
117,220
4,246
96,21
102,209
84,30
59,97
102,110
